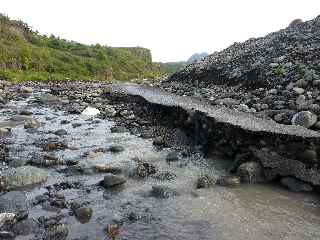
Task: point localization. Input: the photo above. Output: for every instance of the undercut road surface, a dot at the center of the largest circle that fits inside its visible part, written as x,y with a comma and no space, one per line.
218,113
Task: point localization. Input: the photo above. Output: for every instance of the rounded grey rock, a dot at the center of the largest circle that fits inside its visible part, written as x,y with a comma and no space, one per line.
305,118
110,180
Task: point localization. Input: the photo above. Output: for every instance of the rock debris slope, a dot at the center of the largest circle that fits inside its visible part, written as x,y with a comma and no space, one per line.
277,76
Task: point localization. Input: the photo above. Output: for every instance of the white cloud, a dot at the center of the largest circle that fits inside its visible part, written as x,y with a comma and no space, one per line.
172,29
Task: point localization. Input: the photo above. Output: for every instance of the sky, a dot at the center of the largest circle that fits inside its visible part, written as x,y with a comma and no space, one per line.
172,29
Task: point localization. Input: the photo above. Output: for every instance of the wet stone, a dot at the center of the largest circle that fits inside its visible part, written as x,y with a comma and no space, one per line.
58,232
164,176
75,125
41,199
4,132
26,90
118,129
159,141
61,132
7,219
229,181
64,122
25,113
145,169
205,182
83,214
32,124
116,149
110,180
52,146
162,191
298,90
107,168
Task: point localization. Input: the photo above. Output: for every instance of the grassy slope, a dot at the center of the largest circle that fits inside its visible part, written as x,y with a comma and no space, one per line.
26,55
171,67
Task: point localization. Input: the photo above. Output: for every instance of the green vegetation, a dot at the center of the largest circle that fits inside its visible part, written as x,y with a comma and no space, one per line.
26,55
278,71
171,67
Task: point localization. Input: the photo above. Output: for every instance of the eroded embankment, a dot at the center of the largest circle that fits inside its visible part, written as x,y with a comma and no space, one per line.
281,150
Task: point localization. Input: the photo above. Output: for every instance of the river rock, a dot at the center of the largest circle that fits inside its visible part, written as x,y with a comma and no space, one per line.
251,172
301,100
107,168
118,129
64,122
161,191
111,180
23,176
48,99
305,118
164,176
52,146
26,90
7,218
116,148
57,232
32,124
298,91
315,108
61,132
229,181
145,169
205,182
4,132
83,214
25,113
159,141
296,185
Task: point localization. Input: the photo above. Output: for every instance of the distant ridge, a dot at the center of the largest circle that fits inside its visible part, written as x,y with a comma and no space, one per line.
197,57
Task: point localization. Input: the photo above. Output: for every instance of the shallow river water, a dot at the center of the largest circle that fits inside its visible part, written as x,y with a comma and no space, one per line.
247,212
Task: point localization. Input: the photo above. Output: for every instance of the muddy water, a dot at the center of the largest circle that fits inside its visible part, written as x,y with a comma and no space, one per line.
248,212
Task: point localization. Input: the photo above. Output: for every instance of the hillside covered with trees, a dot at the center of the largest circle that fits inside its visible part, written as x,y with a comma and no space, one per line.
25,55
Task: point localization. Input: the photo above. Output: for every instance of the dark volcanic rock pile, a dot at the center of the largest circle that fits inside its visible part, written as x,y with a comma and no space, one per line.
277,75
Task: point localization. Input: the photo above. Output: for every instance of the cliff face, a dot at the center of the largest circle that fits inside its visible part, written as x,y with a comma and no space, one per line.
278,58
26,55
142,53
14,28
